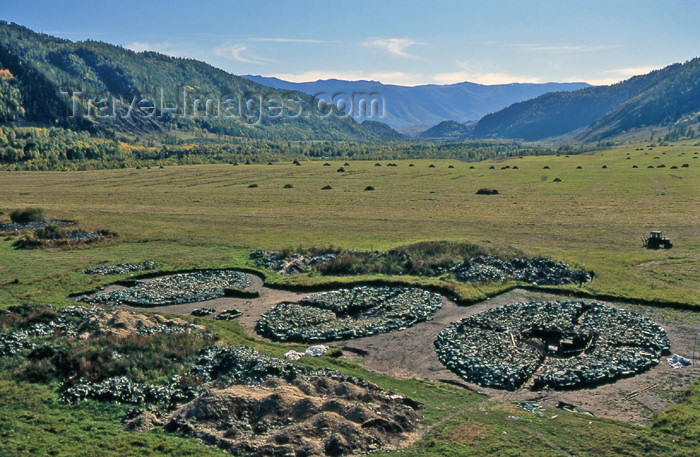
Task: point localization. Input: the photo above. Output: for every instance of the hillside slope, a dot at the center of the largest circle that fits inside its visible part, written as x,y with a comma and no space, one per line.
658,98
448,130
139,88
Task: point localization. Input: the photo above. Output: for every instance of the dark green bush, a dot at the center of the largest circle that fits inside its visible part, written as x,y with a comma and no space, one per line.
28,241
27,215
50,232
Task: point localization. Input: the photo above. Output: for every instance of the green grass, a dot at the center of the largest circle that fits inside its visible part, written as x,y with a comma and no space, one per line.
33,424
202,216
205,216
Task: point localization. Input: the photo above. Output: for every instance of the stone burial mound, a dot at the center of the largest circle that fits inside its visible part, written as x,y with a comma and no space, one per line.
348,313
81,322
474,264
535,271
557,344
173,289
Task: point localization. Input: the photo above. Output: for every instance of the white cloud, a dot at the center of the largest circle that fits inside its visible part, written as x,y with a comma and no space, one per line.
483,78
235,52
394,46
395,77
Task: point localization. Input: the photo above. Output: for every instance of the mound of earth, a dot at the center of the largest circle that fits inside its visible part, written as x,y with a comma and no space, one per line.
348,313
558,344
123,323
174,289
477,268
253,404
315,417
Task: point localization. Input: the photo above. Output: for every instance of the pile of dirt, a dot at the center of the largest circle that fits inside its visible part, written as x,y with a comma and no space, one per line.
123,323
558,344
303,417
348,313
249,403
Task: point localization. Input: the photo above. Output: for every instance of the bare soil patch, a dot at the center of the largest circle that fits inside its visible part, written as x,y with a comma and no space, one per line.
319,416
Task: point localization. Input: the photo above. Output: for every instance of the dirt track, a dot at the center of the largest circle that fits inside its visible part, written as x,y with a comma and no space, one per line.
410,353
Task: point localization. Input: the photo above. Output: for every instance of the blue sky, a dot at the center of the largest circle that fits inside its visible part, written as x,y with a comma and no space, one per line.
398,42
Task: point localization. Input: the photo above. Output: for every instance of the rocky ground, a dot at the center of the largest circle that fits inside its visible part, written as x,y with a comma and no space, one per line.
286,266
472,269
173,289
52,237
84,322
253,404
16,227
410,353
120,269
232,397
535,271
348,314
498,348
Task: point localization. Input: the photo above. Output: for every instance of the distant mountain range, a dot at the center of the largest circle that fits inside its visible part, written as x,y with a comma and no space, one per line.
146,92
425,105
661,98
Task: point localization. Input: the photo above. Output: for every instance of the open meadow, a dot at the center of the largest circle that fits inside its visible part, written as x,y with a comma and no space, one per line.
208,216
590,211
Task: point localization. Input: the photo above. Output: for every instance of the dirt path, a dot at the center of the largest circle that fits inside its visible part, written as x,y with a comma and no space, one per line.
410,353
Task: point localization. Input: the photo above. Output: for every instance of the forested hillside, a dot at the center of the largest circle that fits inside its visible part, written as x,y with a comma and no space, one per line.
448,130
100,86
659,98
